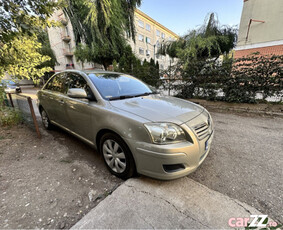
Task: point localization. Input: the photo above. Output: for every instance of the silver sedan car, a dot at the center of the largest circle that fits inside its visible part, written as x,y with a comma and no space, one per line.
135,129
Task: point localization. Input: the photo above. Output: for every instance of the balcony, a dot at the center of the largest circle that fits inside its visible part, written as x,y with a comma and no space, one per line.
68,53
66,38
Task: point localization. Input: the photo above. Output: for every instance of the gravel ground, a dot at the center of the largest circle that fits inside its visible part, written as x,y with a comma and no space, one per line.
246,161
48,183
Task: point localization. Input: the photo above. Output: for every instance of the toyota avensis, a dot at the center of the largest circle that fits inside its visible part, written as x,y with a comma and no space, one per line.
134,128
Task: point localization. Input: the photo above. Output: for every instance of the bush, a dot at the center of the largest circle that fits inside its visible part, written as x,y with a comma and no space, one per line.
9,116
239,80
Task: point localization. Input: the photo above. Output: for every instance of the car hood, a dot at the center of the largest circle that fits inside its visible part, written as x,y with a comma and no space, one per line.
160,108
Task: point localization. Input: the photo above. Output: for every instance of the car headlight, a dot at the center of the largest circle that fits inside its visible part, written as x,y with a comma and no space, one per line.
165,133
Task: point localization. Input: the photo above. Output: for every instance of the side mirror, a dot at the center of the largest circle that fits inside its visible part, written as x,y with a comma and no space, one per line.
77,93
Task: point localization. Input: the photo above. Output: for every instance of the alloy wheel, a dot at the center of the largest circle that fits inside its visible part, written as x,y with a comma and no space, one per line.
114,156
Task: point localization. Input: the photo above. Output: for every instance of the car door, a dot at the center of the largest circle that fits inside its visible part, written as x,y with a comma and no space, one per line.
53,97
79,111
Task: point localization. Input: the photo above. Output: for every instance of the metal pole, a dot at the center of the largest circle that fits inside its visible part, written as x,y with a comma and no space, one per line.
33,117
11,100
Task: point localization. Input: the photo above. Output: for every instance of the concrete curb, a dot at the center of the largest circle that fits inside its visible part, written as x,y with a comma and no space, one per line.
145,203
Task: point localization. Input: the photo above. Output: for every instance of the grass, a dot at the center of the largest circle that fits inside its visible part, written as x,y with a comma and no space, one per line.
9,117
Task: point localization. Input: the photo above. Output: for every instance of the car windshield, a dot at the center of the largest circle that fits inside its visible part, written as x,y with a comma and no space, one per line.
119,86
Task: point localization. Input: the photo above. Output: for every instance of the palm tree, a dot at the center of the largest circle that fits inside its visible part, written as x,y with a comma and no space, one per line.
101,26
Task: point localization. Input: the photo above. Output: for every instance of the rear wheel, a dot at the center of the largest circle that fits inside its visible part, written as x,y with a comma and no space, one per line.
45,120
117,156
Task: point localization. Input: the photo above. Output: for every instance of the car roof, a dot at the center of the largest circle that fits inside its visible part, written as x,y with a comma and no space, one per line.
91,71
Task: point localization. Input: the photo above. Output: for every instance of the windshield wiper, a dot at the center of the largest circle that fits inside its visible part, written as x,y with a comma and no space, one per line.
130,96
120,97
145,94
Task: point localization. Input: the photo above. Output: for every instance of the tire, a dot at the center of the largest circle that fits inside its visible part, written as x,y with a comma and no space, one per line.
45,120
117,156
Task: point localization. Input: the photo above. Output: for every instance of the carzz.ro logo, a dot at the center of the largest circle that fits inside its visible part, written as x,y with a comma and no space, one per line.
254,221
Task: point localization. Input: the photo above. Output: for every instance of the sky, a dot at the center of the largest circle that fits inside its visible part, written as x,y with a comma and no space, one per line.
180,16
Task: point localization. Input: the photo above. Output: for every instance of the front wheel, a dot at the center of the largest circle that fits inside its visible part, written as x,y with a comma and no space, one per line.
117,156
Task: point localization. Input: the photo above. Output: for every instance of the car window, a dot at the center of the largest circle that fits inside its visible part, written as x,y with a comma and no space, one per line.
77,81
58,83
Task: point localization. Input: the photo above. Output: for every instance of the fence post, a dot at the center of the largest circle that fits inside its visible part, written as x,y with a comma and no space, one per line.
11,100
33,117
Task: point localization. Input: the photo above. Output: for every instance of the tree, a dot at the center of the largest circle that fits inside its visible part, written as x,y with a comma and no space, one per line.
101,27
26,21
24,17
209,41
198,55
22,58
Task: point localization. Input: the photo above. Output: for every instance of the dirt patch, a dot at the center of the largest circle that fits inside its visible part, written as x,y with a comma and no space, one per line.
50,182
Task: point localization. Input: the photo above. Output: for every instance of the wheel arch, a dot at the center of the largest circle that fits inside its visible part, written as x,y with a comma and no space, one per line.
104,131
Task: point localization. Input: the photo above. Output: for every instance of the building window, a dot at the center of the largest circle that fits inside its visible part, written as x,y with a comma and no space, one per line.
141,51
157,33
158,45
170,39
147,40
163,35
141,38
147,53
141,23
147,27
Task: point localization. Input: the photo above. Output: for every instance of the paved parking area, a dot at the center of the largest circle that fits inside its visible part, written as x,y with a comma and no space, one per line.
246,161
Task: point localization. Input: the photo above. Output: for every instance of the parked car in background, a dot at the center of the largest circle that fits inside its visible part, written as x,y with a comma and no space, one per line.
135,129
10,86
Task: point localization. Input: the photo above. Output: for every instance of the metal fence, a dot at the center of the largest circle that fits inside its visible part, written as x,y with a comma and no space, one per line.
26,106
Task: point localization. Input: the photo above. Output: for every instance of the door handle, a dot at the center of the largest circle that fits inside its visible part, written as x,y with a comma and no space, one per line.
61,102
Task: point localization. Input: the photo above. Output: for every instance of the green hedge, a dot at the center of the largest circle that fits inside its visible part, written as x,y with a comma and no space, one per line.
239,80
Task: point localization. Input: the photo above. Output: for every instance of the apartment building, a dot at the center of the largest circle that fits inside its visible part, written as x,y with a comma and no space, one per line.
261,28
149,36
62,42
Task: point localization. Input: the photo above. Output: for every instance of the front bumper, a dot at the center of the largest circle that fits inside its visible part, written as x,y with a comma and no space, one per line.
182,158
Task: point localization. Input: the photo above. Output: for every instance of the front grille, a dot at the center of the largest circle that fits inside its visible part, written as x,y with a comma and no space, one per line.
202,130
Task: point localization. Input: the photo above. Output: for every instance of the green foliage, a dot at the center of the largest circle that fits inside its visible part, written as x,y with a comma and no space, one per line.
130,64
101,26
239,80
24,17
9,116
209,41
25,49
254,74
46,50
21,58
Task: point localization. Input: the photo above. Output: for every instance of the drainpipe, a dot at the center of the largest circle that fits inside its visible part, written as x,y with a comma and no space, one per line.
249,26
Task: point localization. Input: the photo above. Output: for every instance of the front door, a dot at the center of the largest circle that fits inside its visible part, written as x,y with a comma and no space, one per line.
79,111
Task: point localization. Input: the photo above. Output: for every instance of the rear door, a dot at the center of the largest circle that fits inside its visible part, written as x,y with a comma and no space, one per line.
52,98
